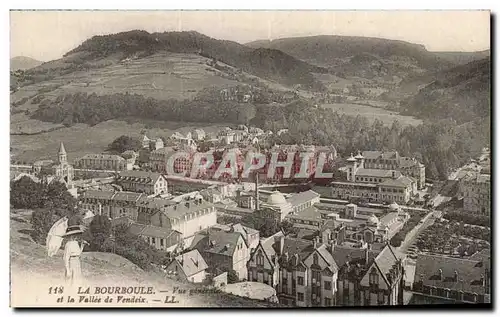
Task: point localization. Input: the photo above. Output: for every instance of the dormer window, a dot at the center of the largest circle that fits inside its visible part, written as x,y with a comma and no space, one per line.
373,277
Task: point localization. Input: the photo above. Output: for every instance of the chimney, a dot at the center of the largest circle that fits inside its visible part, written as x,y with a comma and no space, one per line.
440,273
316,242
332,246
257,202
455,276
281,243
367,254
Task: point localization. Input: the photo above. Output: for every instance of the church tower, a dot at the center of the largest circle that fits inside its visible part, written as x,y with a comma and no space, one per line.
62,156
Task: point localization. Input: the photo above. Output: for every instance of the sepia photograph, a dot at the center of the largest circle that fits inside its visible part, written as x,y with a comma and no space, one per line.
250,159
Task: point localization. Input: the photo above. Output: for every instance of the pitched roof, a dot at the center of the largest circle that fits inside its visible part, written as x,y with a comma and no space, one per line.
191,262
127,196
242,229
292,246
468,271
371,172
380,154
62,150
385,260
157,232
98,194
325,253
149,177
302,197
103,157
400,182
310,214
219,242
343,254
179,210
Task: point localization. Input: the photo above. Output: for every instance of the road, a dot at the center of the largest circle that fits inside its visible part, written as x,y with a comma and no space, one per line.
428,220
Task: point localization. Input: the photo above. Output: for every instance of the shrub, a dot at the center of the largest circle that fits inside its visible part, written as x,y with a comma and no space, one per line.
232,277
41,221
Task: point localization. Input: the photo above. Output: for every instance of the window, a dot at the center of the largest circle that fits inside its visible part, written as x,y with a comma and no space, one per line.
315,259
300,280
260,258
153,240
161,242
300,297
328,301
328,285
373,277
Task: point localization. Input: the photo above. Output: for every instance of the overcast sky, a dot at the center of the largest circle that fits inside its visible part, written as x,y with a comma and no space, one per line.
47,35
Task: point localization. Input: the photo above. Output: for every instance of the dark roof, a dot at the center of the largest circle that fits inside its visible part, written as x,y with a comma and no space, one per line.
155,202
310,213
468,271
142,176
376,172
307,234
191,262
219,242
179,210
99,194
380,154
342,254
127,196
292,246
399,182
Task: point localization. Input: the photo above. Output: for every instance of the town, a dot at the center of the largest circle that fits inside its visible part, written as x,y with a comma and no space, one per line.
353,239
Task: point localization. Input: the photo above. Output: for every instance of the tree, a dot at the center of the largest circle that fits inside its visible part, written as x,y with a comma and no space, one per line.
232,277
396,240
124,143
41,221
100,231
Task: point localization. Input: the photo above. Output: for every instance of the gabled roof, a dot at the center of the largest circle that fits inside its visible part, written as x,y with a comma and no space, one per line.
244,230
325,253
468,271
191,262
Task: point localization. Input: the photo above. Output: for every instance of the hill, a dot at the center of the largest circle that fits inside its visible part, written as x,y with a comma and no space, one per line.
461,93
334,51
115,51
462,57
32,273
23,62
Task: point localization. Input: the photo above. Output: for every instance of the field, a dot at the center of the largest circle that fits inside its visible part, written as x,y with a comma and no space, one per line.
81,139
372,113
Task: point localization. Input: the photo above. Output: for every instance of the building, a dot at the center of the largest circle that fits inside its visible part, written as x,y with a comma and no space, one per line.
144,182
376,185
160,238
475,189
223,251
391,160
442,279
62,170
188,267
198,134
102,162
366,278
250,235
278,207
187,217
303,272
309,218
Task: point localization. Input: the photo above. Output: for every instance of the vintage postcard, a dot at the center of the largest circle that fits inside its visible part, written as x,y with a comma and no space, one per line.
250,159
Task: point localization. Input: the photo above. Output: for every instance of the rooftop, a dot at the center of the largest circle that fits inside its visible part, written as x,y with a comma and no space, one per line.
299,198
468,273
376,172
192,262
391,155
310,214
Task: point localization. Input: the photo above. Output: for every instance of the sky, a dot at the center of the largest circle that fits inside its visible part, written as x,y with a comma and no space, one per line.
47,35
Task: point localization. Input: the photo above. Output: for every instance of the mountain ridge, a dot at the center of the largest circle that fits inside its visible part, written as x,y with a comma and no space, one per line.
23,63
